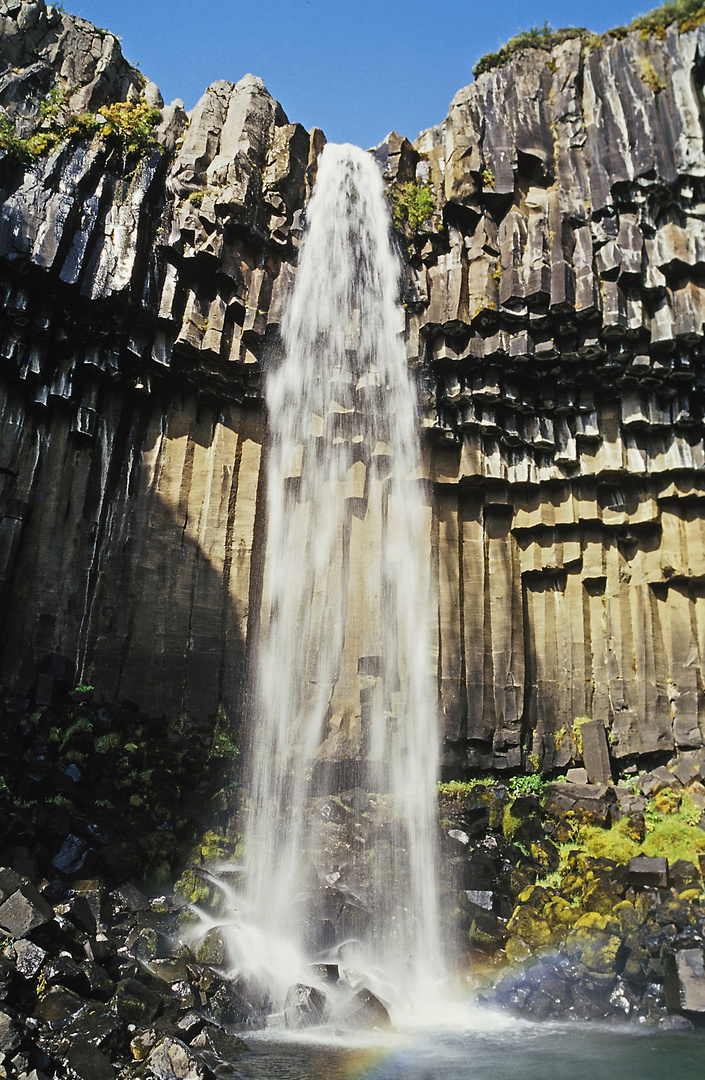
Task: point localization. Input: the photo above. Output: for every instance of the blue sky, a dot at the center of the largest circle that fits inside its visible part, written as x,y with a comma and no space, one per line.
355,68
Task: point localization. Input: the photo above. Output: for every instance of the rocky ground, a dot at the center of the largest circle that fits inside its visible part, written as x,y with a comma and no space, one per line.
563,900
583,901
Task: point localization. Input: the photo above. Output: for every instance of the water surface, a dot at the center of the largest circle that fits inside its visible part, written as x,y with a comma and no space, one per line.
517,1051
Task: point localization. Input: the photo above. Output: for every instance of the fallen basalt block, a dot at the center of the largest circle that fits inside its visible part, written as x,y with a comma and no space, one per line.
648,871
172,1059
364,1011
24,910
685,981
304,1006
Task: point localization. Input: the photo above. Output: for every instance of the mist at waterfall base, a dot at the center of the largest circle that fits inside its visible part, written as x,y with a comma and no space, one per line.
344,691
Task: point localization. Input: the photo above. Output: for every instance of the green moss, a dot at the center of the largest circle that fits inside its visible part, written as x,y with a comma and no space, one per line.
675,836
689,14
196,197
614,843
577,734
672,836
124,127
458,790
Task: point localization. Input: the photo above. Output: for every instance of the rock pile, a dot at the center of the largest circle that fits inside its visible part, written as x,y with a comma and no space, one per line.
93,984
567,933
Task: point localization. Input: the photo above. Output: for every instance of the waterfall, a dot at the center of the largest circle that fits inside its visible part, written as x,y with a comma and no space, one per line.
346,613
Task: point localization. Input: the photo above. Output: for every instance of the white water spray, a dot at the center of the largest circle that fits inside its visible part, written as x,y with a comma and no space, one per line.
345,616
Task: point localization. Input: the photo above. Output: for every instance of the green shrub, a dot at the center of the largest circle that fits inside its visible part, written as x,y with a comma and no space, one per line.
412,205
14,146
129,127
527,785
125,127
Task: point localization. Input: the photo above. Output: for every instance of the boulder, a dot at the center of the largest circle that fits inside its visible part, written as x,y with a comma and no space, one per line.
59,1007
596,754
648,871
172,1059
23,911
363,1011
217,1047
135,1003
10,1033
685,981
83,1061
304,1006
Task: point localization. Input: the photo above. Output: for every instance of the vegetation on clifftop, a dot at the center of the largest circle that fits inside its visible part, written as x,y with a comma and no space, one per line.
125,128
688,14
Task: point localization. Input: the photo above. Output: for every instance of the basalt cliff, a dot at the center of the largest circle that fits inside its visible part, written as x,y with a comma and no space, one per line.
554,298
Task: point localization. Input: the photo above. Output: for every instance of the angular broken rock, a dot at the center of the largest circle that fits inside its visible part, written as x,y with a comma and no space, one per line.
685,981
24,911
10,1034
136,1003
217,1046
172,1059
86,1062
646,870
365,1011
596,754
9,881
304,1006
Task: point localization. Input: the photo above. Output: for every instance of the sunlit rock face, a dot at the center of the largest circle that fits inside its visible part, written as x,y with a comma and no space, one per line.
554,316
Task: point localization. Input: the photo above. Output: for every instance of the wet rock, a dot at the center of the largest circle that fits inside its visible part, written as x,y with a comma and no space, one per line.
328,973
84,1061
136,1003
213,949
96,1026
685,981
172,1059
8,973
363,1011
127,900
72,856
228,1008
142,1044
24,910
304,1006
675,1023
217,1047
59,1007
28,957
80,912
481,898
9,883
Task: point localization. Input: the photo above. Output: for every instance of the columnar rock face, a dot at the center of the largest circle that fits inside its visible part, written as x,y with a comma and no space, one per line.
554,308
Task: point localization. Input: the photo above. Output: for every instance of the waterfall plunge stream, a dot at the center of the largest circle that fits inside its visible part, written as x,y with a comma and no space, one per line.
345,617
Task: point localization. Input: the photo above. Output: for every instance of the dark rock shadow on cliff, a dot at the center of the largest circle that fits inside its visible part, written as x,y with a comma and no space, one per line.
132,577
